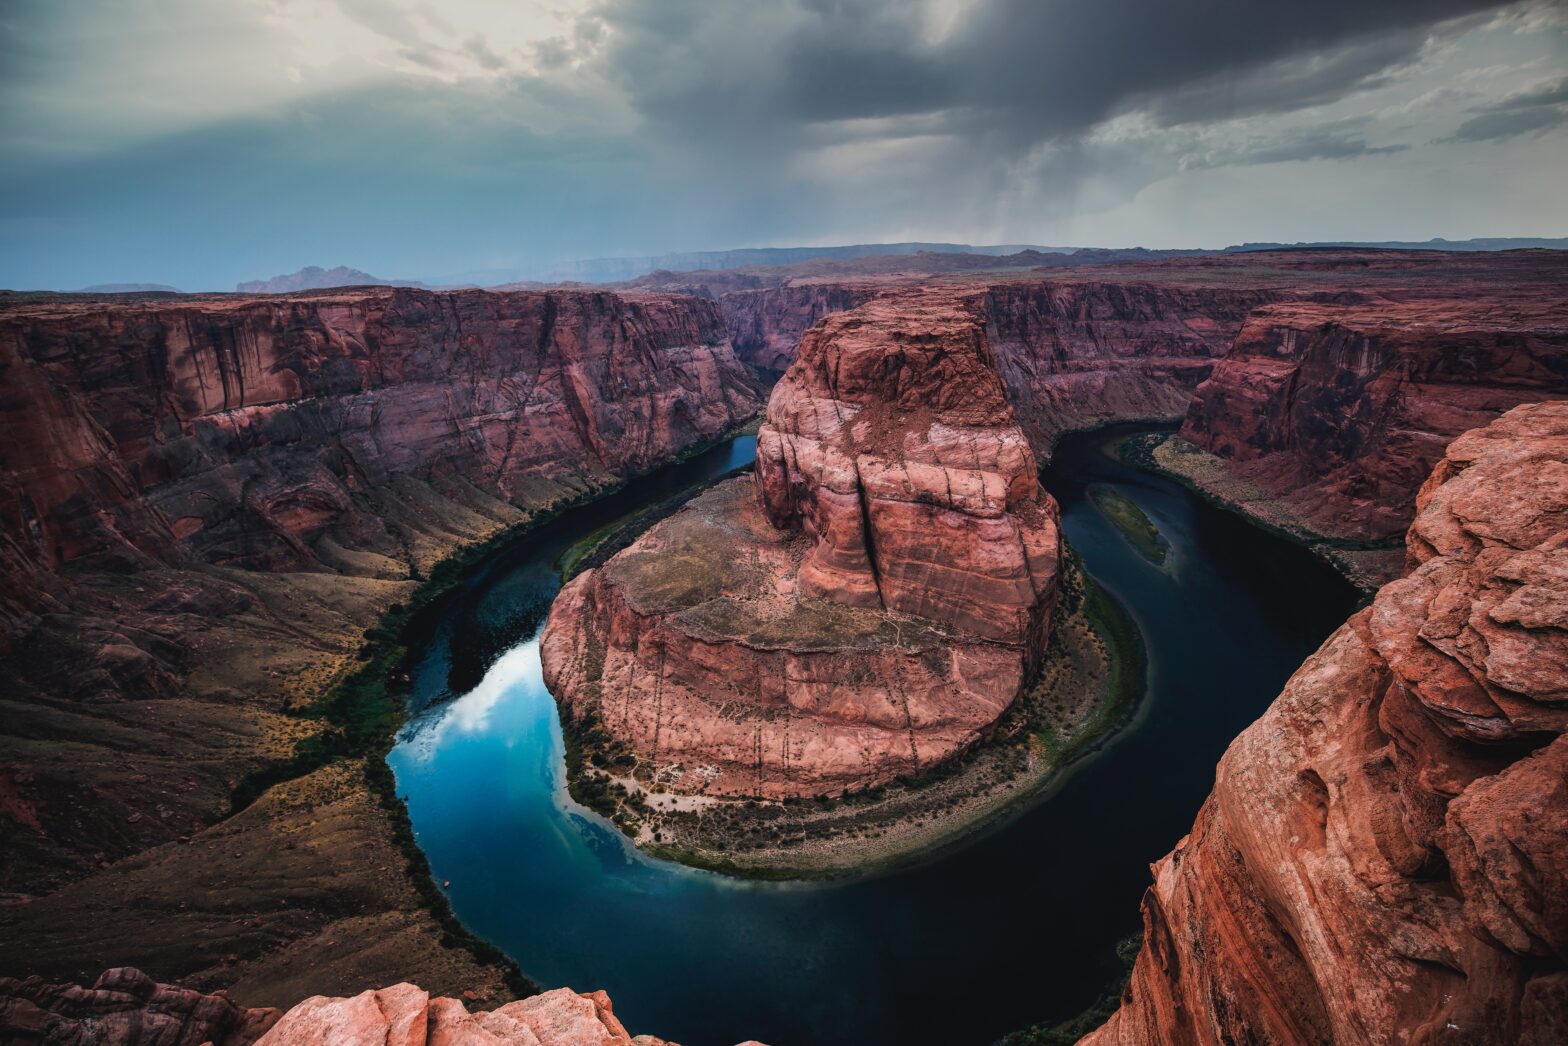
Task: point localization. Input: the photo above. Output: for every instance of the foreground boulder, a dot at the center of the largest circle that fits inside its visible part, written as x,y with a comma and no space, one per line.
1384,855
868,606
126,1008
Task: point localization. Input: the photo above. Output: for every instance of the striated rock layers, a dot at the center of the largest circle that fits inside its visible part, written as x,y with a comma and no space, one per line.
126,1008
1383,858
1079,353
203,496
1341,410
766,324
1072,351
247,432
868,606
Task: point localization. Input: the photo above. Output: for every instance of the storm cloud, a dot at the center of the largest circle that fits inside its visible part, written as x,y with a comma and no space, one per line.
209,143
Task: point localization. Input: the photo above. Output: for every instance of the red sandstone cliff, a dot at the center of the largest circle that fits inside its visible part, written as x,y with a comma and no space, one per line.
766,324
1073,351
205,500
1078,353
243,431
1384,857
1341,410
868,607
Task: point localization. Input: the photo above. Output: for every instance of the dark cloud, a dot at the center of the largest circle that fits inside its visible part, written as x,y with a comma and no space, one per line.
1324,143
1017,71
1530,111
654,125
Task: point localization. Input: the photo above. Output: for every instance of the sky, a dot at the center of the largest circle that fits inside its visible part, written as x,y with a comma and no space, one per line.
202,142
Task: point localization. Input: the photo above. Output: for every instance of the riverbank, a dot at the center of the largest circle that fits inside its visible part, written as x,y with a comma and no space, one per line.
1088,685
1365,564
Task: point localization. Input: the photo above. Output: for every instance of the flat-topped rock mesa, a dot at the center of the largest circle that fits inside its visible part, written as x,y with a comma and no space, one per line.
867,606
207,500
1341,410
1383,856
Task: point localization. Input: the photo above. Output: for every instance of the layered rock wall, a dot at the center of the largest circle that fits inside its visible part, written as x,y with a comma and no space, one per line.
868,607
1342,410
243,431
1383,858
1074,354
205,501
766,324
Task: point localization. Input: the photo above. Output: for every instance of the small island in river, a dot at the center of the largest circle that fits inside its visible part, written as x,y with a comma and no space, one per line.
1131,522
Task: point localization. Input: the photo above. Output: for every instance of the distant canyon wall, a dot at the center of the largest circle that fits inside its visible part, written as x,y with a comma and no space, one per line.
1341,410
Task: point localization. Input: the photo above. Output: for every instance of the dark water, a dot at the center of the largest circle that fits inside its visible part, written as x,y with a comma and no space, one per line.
1016,927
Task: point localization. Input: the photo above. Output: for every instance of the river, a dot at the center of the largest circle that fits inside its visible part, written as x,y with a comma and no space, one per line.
1017,926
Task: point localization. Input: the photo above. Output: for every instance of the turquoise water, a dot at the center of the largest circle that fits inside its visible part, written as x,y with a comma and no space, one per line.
1017,926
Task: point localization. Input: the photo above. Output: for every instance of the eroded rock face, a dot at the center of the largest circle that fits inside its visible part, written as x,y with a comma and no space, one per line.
766,324
891,442
124,1007
202,496
869,605
1383,857
1343,409
1075,353
244,431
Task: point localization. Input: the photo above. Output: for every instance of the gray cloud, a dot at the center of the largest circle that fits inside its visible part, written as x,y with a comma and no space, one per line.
1333,142
1016,71
1530,111
651,125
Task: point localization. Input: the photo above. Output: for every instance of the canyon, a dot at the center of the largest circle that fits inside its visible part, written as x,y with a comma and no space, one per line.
208,502
868,606
1382,858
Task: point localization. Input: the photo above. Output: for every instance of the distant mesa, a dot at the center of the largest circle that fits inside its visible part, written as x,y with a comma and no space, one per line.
315,278
130,288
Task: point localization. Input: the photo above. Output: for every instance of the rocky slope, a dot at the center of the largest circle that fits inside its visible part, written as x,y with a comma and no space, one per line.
1340,410
125,1007
868,607
1383,858
204,502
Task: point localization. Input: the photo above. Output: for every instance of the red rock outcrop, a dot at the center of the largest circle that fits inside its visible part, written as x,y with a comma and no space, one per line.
1384,857
124,1008
405,1015
867,607
1341,410
241,431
